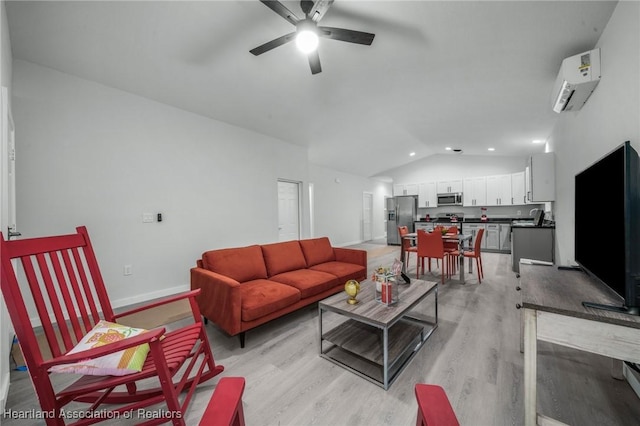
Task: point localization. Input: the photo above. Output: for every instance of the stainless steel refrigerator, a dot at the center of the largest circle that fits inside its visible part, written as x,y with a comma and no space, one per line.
401,211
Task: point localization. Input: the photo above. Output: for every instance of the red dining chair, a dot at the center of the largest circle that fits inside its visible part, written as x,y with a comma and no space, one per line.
60,277
452,247
475,254
407,246
430,245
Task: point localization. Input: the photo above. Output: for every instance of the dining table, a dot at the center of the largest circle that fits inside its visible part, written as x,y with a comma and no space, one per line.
463,241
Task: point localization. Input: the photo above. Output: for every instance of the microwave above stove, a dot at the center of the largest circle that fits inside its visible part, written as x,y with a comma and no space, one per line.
452,199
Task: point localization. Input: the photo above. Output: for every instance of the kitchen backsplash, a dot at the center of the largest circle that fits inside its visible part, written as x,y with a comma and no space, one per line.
475,212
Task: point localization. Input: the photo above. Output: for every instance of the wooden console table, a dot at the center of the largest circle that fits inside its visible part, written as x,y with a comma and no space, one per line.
553,312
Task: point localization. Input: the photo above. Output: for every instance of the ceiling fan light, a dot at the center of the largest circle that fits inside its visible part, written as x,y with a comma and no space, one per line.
307,41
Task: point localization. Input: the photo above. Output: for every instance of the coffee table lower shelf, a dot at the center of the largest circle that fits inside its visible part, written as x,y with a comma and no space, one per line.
359,348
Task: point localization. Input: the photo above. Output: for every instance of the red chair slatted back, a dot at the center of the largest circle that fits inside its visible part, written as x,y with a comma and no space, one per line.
60,278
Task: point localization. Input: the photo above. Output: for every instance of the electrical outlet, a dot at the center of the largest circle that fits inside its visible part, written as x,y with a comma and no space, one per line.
147,217
519,212
128,270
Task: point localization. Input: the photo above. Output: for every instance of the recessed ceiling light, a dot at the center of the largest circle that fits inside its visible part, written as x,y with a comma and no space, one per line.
537,141
448,148
411,154
491,149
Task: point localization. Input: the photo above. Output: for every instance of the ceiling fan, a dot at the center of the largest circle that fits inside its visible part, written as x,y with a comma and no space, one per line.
307,30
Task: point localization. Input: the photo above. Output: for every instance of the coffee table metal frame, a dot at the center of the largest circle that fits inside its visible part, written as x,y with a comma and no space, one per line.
354,343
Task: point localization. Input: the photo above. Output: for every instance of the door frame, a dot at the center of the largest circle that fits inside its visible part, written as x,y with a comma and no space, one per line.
298,206
367,195
7,215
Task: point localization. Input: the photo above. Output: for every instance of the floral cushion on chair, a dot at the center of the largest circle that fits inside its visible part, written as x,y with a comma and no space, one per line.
120,363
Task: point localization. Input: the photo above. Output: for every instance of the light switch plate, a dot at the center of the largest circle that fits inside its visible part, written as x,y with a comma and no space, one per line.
147,217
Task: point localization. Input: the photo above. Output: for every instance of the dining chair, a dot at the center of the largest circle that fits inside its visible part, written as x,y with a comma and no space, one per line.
452,247
430,245
475,253
60,278
407,246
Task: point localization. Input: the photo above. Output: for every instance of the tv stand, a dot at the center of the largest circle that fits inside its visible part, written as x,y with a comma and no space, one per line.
570,268
554,312
614,308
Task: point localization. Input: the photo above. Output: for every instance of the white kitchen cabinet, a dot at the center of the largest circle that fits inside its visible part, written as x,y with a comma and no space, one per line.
541,178
405,189
427,194
473,228
449,186
492,236
518,191
505,237
499,190
474,191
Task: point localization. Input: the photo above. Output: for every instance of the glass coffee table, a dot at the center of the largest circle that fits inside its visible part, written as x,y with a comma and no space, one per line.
373,340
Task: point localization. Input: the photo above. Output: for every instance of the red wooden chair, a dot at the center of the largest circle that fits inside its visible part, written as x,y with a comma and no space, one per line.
60,276
225,405
434,408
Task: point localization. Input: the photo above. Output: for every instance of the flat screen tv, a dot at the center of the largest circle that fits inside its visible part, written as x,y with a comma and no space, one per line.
607,225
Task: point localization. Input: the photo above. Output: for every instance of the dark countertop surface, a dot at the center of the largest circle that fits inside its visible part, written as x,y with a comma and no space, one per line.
533,227
478,220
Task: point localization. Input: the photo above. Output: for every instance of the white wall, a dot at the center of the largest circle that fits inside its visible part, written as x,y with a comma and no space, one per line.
5,329
610,117
91,155
95,156
338,201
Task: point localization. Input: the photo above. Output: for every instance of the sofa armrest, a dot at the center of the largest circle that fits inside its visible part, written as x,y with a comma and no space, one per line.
219,300
358,257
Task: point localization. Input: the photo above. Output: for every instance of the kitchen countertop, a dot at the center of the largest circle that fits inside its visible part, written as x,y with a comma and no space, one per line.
519,225
478,220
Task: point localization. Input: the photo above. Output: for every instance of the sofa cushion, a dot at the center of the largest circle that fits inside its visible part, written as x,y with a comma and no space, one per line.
317,250
283,257
262,297
308,282
344,271
242,263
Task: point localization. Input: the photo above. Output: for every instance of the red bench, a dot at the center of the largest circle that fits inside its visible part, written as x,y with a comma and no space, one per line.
225,406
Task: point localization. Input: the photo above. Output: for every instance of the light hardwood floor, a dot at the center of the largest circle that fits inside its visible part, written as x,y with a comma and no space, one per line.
474,354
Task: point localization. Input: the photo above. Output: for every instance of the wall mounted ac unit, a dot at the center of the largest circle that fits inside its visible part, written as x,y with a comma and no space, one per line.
578,77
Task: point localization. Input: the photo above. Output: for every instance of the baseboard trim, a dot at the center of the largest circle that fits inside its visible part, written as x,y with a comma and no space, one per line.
132,300
633,378
145,297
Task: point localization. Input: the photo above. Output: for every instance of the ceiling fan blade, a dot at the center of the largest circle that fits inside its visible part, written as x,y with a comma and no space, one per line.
314,62
281,10
319,9
350,36
273,44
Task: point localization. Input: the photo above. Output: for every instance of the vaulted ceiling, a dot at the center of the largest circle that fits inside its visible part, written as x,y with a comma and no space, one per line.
464,74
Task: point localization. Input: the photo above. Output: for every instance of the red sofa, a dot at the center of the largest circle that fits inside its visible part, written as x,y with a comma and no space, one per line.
244,287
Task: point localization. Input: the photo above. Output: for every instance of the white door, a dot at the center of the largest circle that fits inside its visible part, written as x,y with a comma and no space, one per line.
367,216
288,210
7,225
